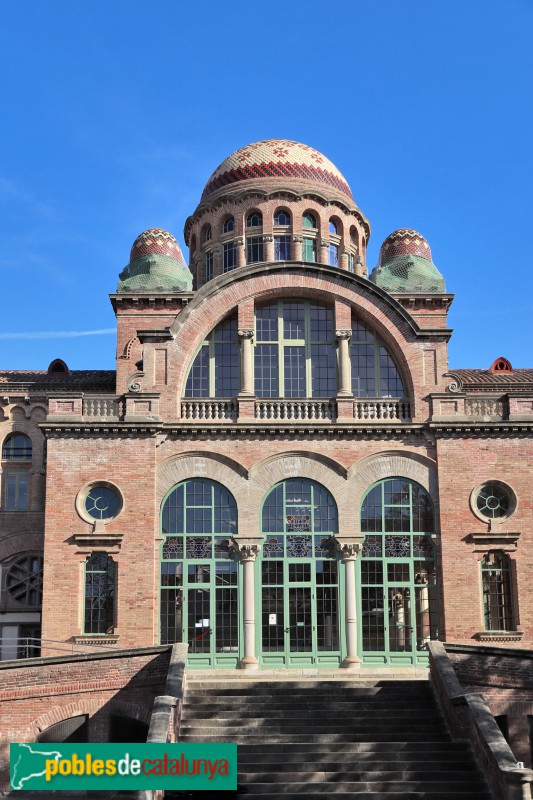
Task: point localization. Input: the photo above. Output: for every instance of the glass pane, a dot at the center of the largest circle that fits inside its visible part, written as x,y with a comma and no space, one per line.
400,630
226,369
300,620
198,620
390,381
309,250
266,364
266,323
282,248
363,370
293,320
198,378
227,617
272,619
323,370
373,619
171,616
294,365
327,625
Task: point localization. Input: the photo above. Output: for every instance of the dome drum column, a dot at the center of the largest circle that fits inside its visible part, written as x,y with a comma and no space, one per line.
241,254
297,248
323,252
268,242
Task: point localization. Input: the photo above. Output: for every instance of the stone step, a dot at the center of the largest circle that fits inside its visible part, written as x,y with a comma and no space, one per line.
369,749
249,712
395,794
333,787
286,690
325,703
296,725
289,738
331,764
359,776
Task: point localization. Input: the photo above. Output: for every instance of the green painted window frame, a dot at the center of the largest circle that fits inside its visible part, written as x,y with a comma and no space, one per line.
210,346
402,542
497,592
100,621
306,342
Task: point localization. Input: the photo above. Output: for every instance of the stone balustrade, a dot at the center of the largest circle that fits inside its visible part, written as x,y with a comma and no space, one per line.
293,410
102,409
382,410
209,410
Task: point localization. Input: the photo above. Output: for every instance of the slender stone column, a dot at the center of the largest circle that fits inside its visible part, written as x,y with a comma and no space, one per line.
246,362
349,556
297,248
249,553
345,366
323,251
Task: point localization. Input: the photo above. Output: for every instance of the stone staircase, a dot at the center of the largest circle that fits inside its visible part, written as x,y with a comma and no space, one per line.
361,739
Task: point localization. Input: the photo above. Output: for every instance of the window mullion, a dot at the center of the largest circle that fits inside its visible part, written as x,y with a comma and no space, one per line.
281,350
307,342
212,392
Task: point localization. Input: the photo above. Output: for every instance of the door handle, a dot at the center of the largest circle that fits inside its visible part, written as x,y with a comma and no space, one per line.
287,630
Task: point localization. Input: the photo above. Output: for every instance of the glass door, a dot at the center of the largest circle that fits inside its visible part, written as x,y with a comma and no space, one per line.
299,605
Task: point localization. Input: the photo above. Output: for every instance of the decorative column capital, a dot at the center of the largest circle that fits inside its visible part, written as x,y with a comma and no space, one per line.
343,334
297,238
348,550
268,237
324,243
239,241
246,333
248,552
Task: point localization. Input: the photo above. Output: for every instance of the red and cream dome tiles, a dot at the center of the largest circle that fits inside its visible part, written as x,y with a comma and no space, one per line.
402,242
156,241
277,158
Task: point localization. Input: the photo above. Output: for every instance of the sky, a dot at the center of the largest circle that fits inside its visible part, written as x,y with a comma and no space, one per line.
114,113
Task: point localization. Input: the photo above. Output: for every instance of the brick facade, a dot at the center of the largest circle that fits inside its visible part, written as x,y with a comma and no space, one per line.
135,430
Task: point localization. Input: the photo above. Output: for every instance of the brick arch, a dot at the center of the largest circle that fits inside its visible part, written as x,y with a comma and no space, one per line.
31,430
213,466
219,297
128,709
21,543
392,464
61,713
313,466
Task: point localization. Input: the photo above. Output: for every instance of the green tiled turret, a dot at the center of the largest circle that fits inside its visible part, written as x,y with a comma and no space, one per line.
405,265
156,265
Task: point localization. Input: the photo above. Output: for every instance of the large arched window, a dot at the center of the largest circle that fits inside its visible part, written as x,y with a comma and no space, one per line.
299,575
282,217
374,373
24,580
215,369
100,580
295,350
17,447
497,592
199,572
397,573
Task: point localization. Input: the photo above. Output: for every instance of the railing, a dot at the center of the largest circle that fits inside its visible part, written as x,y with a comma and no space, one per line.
485,407
288,410
103,408
382,410
225,410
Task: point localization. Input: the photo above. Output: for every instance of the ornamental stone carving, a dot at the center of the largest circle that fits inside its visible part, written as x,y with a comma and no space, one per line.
343,334
246,333
248,552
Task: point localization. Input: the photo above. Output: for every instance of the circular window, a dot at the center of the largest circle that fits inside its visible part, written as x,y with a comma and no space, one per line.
493,500
99,501
24,581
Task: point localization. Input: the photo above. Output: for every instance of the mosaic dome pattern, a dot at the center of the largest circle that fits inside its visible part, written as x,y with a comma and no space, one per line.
156,241
403,242
277,158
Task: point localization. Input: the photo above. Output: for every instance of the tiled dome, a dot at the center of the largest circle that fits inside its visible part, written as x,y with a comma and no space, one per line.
156,265
403,242
277,158
405,265
156,241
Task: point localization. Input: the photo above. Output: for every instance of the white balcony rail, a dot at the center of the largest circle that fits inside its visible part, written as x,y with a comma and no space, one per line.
221,410
382,410
289,410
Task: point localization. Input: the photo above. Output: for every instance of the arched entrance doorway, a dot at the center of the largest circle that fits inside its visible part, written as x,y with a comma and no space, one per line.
398,601
299,577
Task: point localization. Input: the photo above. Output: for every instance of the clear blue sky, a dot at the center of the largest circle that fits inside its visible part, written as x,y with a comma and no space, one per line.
114,113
